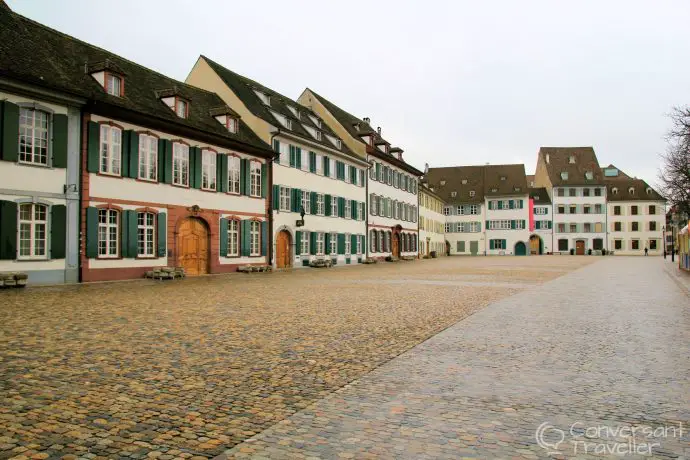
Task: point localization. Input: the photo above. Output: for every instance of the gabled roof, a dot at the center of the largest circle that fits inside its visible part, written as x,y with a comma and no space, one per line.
559,162
36,54
623,183
507,180
244,88
539,195
357,128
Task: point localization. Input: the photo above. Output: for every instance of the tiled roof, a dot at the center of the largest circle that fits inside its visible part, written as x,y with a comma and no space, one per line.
39,55
245,89
357,128
539,195
506,180
585,160
623,183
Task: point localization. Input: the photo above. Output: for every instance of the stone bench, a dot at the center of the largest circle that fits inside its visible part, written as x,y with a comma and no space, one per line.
166,273
321,263
254,268
14,279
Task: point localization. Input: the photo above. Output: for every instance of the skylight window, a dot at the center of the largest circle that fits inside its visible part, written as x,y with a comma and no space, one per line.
464,181
503,177
453,194
564,175
571,160
471,193
589,175
443,183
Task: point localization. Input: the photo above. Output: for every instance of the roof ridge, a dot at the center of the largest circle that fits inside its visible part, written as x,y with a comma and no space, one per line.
90,45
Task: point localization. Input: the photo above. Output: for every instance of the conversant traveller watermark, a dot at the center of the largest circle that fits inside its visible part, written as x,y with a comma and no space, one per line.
605,439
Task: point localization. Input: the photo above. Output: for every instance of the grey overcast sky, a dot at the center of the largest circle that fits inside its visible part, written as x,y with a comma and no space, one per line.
454,82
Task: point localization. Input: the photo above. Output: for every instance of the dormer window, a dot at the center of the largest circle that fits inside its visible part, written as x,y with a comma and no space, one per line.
547,158
564,175
536,198
649,191
453,194
319,136
339,143
631,190
589,175
464,181
114,84
232,125
443,183
503,177
335,141
315,120
265,98
181,108
294,111
517,189
571,160
494,190
471,193
614,190
288,123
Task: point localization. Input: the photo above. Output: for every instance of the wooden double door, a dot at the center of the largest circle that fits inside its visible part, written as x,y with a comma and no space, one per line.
283,250
193,246
395,245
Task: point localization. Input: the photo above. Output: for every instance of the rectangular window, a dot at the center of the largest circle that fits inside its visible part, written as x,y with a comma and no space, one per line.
652,209
598,208
304,250
586,209
111,149
573,228
585,192
561,209
633,210
113,85
233,238
255,235
208,170
348,244
360,211
334,206
561,192
616,210
180,164
348,209
561,228
617,226
146,229
285,199
587,227
181,108
652,245
447,227
562,245
652,226
255,176
33,221
446,211
320,244
572,192
333,243
284,154
234,174
598,227
597,192
573,209
306,205
636,244
497,244
320,207
618,244
148,157
108,233
33,136
359,244
635,226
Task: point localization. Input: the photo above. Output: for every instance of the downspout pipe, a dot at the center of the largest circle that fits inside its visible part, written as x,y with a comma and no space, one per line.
270,200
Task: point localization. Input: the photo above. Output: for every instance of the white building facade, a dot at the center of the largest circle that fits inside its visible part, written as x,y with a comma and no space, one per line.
579,221
507,225
464,228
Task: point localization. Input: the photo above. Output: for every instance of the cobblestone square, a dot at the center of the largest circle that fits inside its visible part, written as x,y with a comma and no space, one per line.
191,368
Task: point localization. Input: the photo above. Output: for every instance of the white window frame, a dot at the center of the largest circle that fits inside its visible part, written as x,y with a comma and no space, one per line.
347,209
333,243
110,152
208,170
37,151
320,243
148,158
181,108
234,166
146,234
113,84
285,197
360,211
37,227
255,238
359,244
180,164
304,250
255,178
109,234
320,207
348,244
232,124
306,201
233,238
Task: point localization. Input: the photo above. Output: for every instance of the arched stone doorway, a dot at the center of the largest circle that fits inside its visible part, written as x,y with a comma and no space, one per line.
520,249
193,246
536,245
283,249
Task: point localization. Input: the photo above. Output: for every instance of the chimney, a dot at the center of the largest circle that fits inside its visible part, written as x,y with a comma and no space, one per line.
378,130
426,168
366,120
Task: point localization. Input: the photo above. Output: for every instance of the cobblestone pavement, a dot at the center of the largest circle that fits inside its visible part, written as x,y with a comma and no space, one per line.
585,358
190,368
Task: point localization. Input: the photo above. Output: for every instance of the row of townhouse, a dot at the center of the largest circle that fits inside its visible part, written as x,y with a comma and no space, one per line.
110,169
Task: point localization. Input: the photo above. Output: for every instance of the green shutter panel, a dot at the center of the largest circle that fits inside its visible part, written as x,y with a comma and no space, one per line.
9,148
364,244
353,244
133,156
244,177
547,210
124,153
520,204
168,161
513,224
246,237
327,205
162,229
312,243
60,142
487,224
326,166
298,157
93,147
264,238
503,244
293,161
91,232
161,160
264,179
312,162
223,233
491,205
511,204
341,243
500,204
294,199
353,209
130,235
195,162
222,173
341,207
524,226
58,231
377,169
312,202
276,148
8,230
298,243
276,196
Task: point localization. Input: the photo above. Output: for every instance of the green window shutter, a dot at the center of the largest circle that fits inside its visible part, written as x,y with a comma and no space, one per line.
222,172
91,232
292,156
195,162
353,244
297,200
312,202
276,148
130,235
244,177
60,142
9,148
161,160
246,237
500,204
168,161
520,204
503,244
377,170
312,243
524,226
162,229
133,156
298,243
264,238
93,147
312,162
341,243
223,233
550,224
511,204
491,244
298,157
547,210
353,209
491,206
264,179
327,243
341,207
326,166
327,203
353,174
364,244
124,153
276,196
8,230
513,224
487,224
58,231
